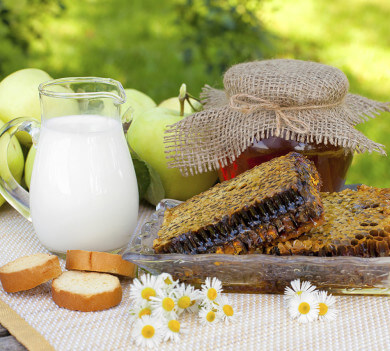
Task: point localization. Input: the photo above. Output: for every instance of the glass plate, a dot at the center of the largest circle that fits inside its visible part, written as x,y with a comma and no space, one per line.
259,273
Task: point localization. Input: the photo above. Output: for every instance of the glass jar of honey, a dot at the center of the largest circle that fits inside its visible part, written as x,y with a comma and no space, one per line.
284,105
332,162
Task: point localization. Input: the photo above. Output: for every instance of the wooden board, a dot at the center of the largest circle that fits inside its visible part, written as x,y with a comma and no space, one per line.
8,342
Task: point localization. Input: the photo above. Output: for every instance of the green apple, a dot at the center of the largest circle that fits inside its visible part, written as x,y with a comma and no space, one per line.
19,97
173,103
146,137
29,165
138,102
11,159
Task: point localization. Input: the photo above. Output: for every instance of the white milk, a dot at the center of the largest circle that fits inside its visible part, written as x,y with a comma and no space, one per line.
83,192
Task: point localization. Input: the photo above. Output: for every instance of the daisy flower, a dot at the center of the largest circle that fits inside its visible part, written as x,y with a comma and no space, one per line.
144,288
186,297
172,329
168,283
140,310
297,288
225,310
147,332
303,307
164,304
327,310
194,306
208,315
210,291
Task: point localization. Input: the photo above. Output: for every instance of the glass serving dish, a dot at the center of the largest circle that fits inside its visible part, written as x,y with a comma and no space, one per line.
259,273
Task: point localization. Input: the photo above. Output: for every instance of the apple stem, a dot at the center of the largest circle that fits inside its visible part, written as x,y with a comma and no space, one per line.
182,98
192,97
195,104
189,102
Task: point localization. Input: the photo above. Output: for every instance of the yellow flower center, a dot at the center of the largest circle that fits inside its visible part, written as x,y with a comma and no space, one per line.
210,316
144,312
184,302
212,294
304,308
323,309
299,293
147,331
147,293
174,325
167,281
168,304
228,310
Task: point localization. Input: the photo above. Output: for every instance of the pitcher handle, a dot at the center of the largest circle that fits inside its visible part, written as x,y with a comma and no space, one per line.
18,197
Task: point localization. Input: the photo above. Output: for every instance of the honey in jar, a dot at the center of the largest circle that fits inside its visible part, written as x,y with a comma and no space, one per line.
332,162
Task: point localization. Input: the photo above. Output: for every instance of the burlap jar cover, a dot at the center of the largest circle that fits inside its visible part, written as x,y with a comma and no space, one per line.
296,100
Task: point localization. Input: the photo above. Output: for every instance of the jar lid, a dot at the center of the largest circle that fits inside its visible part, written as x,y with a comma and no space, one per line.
296,100
287,82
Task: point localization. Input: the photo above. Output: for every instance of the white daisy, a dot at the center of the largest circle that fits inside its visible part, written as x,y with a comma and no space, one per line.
194,306
142,289
164,304
327,310
303,307
210,291
168,283
225,310
147,331
172,329
208,315
297,288
139,310
186,297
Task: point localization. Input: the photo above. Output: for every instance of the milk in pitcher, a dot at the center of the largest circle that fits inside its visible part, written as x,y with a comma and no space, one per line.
83,192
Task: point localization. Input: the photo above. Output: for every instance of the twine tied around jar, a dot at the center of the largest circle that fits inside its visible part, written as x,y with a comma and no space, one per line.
247,103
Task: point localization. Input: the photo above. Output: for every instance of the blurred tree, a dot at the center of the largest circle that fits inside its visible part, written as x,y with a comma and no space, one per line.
222,33
154,46
22,22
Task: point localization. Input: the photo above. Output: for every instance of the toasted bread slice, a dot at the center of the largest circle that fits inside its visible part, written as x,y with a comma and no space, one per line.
275,201
86,291
27,272
103,262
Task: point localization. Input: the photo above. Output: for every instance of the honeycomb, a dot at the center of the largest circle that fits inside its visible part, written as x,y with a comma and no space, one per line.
357,223
275,201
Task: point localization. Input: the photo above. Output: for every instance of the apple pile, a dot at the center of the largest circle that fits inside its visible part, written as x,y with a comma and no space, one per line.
145,135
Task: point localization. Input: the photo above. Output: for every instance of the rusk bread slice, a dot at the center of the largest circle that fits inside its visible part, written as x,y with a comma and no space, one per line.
104,262
27,272
86,291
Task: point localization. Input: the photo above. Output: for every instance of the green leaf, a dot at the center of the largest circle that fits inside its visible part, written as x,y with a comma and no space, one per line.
142,174
149,182
156,191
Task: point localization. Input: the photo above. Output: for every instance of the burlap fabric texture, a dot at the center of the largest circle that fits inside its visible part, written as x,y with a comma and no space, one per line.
296,100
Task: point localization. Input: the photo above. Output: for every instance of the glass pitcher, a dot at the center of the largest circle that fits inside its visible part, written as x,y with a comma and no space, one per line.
83,191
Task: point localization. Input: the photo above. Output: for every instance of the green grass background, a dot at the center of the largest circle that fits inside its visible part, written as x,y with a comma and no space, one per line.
140,43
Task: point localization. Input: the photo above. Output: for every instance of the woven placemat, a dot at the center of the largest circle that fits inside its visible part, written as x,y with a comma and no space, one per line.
362,324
